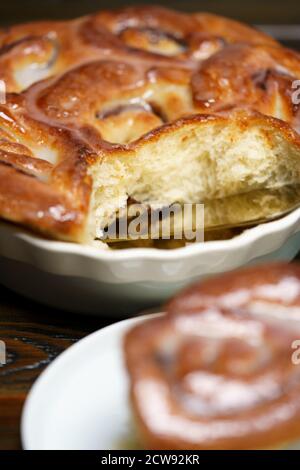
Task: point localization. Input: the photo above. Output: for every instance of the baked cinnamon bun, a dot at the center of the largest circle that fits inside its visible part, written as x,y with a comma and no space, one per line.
144,104
34,51
217,370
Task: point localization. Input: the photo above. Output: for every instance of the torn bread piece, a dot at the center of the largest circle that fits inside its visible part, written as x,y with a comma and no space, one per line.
69,184
200,159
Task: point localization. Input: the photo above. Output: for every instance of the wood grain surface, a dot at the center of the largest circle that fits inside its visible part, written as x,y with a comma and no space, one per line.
34,335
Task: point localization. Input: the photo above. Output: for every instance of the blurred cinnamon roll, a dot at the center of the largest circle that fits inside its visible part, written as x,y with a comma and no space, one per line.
216,371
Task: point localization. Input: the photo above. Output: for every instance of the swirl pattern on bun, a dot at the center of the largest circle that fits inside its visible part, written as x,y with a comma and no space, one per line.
216,371
142,104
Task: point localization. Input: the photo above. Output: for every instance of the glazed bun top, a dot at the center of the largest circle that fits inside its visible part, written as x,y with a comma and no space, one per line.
34,51
85,91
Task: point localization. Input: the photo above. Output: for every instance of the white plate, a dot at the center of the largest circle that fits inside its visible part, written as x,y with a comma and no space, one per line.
81,400
89,280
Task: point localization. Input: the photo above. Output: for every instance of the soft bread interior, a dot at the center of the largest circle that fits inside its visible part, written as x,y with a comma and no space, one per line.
195,160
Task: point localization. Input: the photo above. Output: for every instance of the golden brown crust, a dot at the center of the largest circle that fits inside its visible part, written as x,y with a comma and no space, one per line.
81,89
216,372
30,202
256,77
128,34
44,184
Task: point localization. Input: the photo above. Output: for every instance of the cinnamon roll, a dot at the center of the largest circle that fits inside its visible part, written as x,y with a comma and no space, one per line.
217,370
144,104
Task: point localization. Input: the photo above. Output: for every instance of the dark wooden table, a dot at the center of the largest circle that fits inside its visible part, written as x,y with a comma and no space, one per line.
34,335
